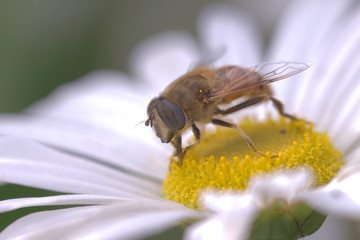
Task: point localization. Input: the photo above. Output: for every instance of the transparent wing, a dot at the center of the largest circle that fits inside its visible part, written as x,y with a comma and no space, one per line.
234,79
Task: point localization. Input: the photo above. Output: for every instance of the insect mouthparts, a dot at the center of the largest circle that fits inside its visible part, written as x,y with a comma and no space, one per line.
147,122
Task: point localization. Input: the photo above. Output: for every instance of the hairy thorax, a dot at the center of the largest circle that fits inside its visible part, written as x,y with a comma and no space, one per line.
188,92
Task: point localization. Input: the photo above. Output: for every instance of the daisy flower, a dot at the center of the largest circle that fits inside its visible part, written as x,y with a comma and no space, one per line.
117,181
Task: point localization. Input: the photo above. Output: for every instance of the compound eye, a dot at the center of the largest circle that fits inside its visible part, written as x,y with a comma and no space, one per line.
160,128
171,114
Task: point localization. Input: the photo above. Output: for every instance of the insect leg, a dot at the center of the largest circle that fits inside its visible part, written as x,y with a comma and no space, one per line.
280,107
176,142
196,133
242,133
247,103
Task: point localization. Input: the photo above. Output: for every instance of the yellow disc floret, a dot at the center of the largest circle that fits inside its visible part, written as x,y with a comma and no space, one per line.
224,161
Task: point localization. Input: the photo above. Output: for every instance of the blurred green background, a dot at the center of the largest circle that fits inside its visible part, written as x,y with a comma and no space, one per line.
47,42
44,43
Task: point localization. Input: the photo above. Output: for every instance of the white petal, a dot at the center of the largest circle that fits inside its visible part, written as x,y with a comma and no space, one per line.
31,164
335,90
41,225
163,58
83,199
226,27
333,202
236,212
105,100
299,37
347,181
233,219
300,29
216,202
337,57
134,227
122,221
328,94
101,110
281,185
352,158
341,197
103,145
101,90
232,226
343,117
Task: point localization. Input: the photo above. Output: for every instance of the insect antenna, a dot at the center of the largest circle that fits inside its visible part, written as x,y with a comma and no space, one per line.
145,121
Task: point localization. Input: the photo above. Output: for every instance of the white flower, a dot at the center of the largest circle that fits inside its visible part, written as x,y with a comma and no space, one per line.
82,139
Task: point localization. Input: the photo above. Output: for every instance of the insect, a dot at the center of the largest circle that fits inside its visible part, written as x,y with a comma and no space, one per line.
195,98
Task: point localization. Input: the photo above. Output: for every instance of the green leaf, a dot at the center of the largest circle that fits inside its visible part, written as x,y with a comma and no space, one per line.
283,221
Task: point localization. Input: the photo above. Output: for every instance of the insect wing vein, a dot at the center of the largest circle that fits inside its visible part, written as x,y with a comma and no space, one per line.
239,79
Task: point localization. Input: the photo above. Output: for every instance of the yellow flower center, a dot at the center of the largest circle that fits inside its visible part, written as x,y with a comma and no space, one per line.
224,161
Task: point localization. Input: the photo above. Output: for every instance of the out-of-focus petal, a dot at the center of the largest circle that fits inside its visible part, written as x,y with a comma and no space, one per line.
333,202
234,225
234,215
280,185
352,159
216,202
341,197
135,226
70,199
41,225
162,58
121,221
236,212
224,27
31,164
105,100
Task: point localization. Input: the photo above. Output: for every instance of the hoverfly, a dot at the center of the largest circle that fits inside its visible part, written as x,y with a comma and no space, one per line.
195,98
